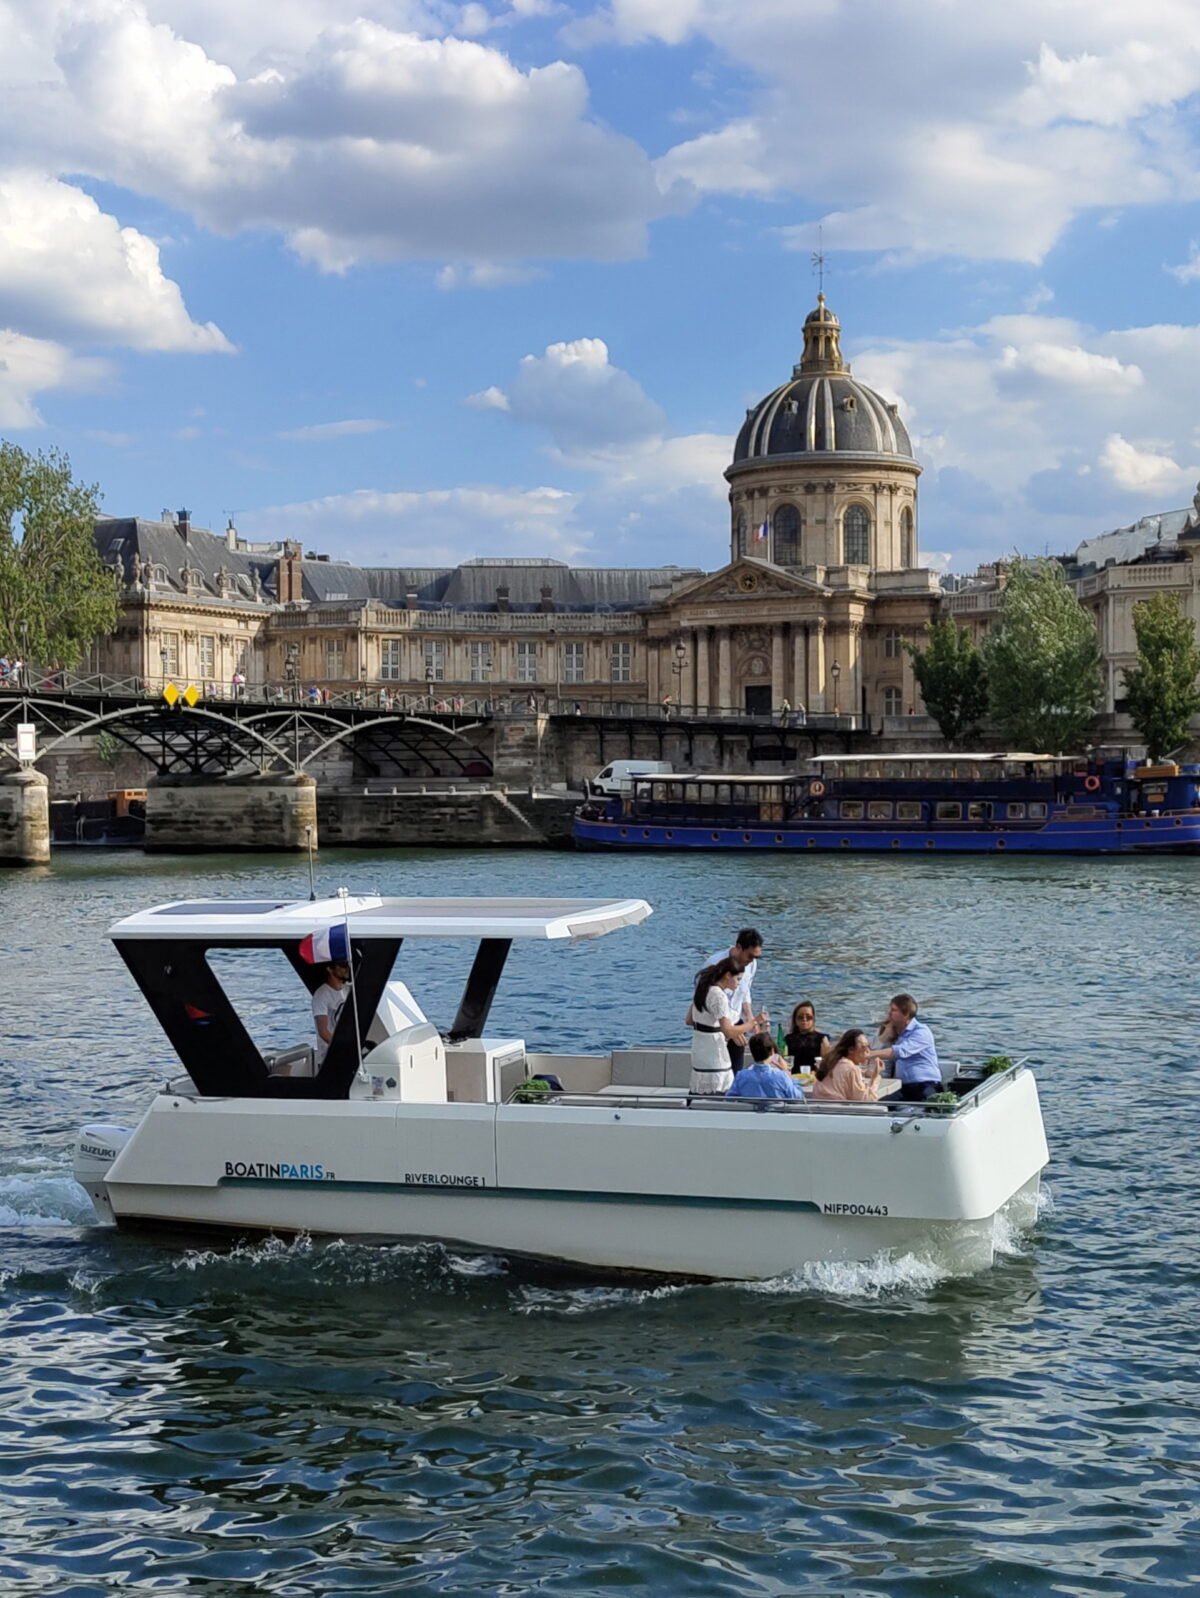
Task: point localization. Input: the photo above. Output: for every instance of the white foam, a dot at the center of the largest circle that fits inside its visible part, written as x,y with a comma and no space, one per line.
588,1300
874,1278
40,1194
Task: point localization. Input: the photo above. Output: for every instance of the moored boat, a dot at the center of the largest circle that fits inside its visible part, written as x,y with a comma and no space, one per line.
616,1167
957,803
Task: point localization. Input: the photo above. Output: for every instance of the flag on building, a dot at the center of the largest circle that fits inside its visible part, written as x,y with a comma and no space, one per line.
760,532
321,948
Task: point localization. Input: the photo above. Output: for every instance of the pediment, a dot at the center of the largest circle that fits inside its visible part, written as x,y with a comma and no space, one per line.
747,578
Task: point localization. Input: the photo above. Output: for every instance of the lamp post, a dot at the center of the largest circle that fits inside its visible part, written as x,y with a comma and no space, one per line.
162,655
24,682
678,666
429,687
291,671
835,671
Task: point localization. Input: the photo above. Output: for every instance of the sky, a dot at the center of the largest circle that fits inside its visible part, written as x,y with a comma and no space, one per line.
415,281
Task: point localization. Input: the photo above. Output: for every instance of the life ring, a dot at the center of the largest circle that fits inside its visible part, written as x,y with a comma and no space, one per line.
1091,783
816,788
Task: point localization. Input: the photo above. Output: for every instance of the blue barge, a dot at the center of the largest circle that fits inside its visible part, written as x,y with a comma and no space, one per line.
953,803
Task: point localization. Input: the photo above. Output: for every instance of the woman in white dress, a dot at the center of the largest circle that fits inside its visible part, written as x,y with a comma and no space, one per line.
713,1027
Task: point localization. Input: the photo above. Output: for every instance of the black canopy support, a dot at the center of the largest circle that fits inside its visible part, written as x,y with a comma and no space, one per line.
480,990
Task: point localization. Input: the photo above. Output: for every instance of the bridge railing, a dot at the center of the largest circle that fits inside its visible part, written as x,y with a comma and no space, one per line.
438,699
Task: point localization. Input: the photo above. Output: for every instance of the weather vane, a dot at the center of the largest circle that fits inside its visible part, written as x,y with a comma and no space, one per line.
818,260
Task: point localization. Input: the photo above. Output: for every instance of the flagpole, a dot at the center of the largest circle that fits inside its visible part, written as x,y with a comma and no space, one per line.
344,896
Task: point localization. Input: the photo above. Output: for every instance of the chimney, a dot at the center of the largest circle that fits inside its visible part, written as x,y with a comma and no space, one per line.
410,599
183,524
231,535
502,601
289,580
547,601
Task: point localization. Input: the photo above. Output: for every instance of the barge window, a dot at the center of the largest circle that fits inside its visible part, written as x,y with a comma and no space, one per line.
1016,812
948,810
979,810
1037,811
879,810
851,810
908,810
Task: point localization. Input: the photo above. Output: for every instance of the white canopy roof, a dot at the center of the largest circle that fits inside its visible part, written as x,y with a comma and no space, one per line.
277,920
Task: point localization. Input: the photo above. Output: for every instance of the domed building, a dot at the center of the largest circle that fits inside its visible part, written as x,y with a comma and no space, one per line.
823,588
823,473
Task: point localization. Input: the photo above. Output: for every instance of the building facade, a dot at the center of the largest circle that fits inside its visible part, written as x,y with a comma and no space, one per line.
822,590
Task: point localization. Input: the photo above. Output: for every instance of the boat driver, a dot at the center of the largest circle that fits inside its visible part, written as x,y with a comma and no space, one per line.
327,1004
912,1049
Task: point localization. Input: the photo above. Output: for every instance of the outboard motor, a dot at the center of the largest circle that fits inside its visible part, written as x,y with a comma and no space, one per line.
96,1147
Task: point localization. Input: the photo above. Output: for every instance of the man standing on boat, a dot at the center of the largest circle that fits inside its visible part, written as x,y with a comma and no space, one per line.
912,1049
747,947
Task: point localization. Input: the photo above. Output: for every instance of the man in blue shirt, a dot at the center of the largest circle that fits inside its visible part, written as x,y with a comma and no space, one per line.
764,1079
913,1051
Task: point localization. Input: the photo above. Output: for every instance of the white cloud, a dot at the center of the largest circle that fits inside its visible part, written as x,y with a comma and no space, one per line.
1067,365
68,269
437,527
31,366
933,128
1144,471
576,395
355,139
488,399
1188,271
319,432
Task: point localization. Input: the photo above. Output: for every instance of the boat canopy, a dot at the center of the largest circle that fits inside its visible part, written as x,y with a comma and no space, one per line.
955,757
274,921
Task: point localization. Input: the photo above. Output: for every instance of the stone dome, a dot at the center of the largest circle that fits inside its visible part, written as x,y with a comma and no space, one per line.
822,409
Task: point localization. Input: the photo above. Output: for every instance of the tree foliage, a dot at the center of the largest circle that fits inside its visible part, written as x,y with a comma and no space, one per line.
1160,691
1042,660
952,679
56,595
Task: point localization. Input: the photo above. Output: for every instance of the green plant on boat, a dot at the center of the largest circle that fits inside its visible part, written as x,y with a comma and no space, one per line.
944,1103
995,1063
534,1090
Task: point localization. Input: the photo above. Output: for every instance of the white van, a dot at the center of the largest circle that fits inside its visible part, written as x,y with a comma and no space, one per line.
616,780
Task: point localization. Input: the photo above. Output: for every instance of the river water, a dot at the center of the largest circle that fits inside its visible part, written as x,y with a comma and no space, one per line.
304,1420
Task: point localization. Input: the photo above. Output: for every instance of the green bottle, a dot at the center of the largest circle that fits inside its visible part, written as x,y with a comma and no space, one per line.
780,1040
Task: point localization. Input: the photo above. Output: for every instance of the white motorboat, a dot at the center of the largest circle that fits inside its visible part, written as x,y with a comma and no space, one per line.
408,1133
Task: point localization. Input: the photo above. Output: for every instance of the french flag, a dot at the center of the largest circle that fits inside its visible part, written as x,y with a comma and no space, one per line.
760,532
321,948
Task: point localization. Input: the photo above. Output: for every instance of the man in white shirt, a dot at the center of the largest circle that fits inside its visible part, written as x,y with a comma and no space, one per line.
327,1004
747,947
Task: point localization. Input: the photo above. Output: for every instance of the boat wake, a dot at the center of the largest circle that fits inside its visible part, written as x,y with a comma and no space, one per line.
38,1193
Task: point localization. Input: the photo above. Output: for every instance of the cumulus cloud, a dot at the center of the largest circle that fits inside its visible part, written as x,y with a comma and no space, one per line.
359,141
319,432
31,366
67,269
1187,271
584,402
1038,429
943,129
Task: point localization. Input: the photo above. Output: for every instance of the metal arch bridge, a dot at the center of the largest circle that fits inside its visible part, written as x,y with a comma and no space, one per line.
232,737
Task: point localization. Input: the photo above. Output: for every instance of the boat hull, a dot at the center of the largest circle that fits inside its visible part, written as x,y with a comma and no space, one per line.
671,1191
1102,835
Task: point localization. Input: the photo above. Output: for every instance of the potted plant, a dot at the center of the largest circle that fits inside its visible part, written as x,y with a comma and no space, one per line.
534,1090
943,1103
995,1063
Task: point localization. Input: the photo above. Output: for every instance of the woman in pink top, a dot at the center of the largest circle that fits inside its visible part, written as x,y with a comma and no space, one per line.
840,1073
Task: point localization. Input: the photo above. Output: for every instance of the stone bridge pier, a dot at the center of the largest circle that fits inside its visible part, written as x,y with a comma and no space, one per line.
209,814
24,818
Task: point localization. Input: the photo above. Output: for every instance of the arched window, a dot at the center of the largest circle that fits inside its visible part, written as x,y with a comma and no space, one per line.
906,538
891,644
891,702
785,525
856,537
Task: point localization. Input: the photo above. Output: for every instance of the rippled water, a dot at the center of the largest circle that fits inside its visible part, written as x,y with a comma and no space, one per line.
353,1420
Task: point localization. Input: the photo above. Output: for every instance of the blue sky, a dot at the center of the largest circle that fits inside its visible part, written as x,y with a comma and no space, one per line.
414,281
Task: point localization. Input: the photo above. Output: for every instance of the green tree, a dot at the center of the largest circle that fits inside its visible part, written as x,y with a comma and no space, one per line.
1160,691
1042,660
952,679
56,595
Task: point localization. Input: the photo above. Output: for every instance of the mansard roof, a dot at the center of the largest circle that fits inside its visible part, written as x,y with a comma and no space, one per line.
475,584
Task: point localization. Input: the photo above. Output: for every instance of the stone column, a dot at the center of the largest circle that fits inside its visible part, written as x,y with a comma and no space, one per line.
799,675
724,670
816,666
24,818
654,688
703,691
777,686
215,815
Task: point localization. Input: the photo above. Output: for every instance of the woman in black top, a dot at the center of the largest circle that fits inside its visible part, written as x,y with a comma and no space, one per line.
804,1042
